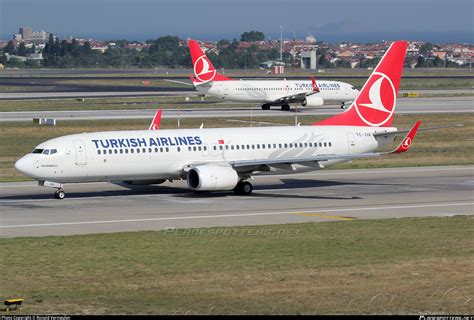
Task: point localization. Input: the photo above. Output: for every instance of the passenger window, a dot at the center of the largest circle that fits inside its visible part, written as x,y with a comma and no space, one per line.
131,150
156,149
320,144
138,150
144,150
179,149
161,149
329,143
98,151
121,151
167,149
325,144
126,150
115,151
149,150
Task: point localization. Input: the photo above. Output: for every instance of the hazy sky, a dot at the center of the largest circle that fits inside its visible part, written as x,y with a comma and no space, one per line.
329,20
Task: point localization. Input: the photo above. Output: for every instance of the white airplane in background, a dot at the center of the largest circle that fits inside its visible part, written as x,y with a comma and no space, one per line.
267,92
224,158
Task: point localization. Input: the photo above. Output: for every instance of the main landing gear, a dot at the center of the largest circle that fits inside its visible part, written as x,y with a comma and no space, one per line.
243,188
285,107
59,194
266,106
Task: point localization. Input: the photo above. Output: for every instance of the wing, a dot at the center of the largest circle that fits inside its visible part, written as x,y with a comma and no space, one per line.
317,161
299,97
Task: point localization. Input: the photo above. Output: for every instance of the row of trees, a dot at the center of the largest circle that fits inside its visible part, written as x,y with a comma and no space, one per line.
166,51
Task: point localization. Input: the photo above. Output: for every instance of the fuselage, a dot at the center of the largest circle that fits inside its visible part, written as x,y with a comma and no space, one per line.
164,154
267,91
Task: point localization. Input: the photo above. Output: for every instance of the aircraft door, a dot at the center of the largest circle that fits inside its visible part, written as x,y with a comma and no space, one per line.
81,155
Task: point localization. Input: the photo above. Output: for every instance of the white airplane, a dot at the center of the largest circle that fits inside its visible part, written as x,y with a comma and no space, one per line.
225,158
267,92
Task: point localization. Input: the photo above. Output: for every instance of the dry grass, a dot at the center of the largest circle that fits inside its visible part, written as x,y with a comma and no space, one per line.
392,266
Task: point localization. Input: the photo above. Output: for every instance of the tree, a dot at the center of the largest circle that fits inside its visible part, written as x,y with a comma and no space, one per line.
10,48
252,36
420,63
22,51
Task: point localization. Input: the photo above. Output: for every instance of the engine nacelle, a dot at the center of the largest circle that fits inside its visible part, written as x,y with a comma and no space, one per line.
313,101
211,177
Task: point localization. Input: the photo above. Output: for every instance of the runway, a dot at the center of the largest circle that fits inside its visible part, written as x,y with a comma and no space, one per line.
224,110
333,195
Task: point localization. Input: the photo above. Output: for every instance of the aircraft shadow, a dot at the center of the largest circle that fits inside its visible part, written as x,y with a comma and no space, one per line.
180,192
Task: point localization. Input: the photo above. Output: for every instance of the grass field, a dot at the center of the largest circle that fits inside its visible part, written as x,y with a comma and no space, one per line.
107,103
392,266
451,146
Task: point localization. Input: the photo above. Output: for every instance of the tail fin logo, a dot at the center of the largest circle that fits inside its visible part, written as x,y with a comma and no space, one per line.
406,144
203,70
376,105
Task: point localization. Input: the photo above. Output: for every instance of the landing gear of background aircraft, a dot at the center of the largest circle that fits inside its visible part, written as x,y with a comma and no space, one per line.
343,106
266,106
285,107
243,188
60,194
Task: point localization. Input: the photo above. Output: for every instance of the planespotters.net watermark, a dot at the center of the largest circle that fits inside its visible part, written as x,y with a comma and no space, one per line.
234,232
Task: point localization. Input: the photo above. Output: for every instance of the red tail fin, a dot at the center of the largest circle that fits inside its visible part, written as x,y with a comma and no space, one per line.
155,124
375,104
204,71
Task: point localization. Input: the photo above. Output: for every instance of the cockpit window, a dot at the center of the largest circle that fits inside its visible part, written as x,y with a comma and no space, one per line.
53,151
46,151
354,88
37,151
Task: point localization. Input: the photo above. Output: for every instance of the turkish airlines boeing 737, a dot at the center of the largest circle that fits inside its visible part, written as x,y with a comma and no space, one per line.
224,158
267,92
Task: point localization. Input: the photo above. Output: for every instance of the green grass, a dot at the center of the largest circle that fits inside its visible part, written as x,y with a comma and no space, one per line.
107,103
451,146
400,266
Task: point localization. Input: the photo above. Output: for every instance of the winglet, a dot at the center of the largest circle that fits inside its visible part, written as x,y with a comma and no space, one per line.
406,142
155,124
315,85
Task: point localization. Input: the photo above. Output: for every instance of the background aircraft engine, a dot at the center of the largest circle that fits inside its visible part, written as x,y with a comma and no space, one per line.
210,177
313,101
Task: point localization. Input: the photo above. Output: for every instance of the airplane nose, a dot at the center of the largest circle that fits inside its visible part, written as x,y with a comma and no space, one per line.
24,165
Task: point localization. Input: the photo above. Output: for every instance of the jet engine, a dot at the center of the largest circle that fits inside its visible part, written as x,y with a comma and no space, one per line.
312,101
211,177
